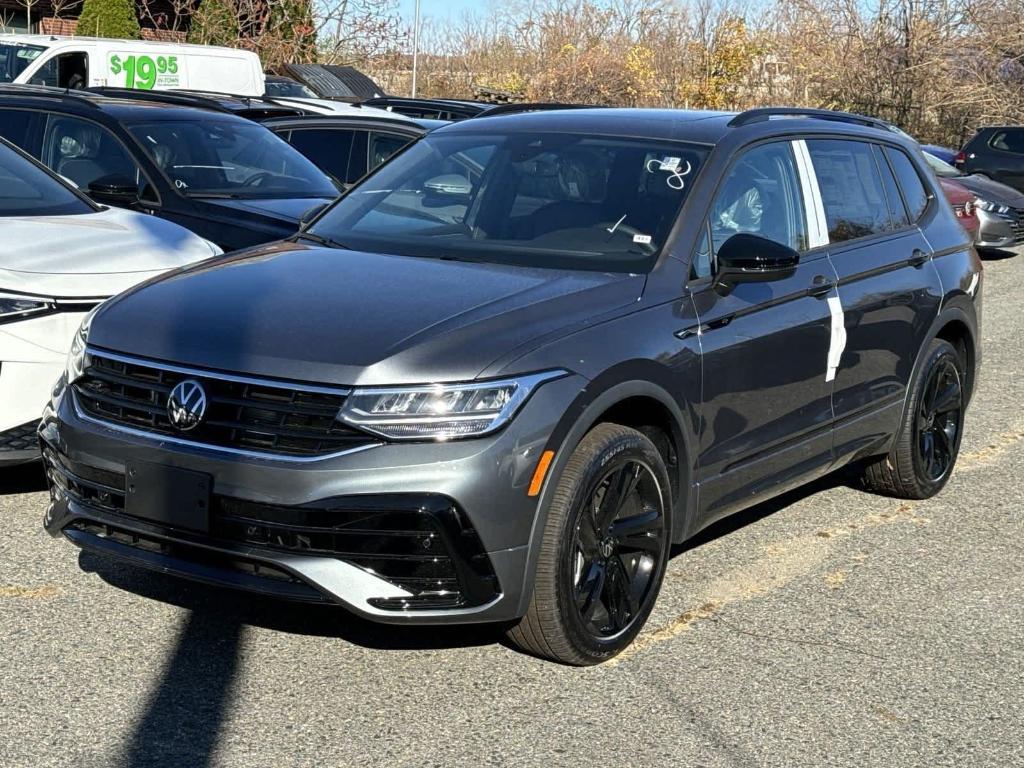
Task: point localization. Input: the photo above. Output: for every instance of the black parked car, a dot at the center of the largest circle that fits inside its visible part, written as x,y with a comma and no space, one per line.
498,379
226,178
349,147
996,152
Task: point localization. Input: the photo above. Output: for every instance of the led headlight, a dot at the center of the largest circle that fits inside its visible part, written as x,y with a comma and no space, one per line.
987,205
75,366
14,307
440,411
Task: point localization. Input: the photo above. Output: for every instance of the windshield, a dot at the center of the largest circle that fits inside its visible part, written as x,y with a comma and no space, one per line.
227,158
940,167
283,88
27,190
536,199
15,59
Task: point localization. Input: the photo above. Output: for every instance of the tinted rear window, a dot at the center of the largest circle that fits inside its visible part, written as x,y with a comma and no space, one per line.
914,192
329,149
851,189
1008,140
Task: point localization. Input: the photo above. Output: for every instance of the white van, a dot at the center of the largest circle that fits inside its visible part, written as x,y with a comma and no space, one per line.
81,62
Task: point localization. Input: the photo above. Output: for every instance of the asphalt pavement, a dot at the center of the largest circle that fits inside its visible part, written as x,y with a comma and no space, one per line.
827,628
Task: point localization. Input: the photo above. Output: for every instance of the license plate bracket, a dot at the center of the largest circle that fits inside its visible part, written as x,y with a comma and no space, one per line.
171,496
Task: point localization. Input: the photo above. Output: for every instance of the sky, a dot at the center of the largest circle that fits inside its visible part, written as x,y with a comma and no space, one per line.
439,9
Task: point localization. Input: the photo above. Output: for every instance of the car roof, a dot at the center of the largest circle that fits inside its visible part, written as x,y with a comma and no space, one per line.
116,106
699,126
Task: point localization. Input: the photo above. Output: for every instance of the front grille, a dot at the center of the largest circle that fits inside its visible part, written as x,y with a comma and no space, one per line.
421,543
1018,226
255,416
21,438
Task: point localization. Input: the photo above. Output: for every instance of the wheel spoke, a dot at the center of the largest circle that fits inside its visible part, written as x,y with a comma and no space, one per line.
948,399
617,594
621,485
639,532
589,538
589,592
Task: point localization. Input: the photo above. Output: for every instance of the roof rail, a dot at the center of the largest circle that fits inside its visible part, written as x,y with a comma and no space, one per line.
766,113
163,97
17,89
539,106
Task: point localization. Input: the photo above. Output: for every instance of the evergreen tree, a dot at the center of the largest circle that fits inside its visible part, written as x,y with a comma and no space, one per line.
109,18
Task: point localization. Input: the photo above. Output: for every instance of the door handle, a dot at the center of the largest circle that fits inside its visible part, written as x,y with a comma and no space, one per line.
918,258
820,286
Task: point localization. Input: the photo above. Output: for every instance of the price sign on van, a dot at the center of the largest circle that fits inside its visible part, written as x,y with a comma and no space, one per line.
144,72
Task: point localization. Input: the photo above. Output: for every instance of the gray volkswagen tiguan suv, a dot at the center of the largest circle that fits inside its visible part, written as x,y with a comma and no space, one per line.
502,375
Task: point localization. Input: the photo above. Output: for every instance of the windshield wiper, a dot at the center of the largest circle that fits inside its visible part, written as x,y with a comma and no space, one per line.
321,240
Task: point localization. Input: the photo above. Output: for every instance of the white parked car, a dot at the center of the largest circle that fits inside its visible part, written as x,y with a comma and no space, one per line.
61,255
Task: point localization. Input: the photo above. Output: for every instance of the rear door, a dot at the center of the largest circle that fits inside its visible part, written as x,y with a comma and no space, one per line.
888,291
766,407
1004,157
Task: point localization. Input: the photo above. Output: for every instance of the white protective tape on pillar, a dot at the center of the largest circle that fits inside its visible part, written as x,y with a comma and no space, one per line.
817,225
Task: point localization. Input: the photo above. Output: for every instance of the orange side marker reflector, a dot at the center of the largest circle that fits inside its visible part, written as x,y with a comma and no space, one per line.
540,473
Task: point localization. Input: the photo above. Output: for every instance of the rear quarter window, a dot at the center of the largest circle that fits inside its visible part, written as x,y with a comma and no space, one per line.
1011,140
909,179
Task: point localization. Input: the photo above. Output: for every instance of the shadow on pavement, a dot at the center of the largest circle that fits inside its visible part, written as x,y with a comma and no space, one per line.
747,516
996,254
183,717
23,478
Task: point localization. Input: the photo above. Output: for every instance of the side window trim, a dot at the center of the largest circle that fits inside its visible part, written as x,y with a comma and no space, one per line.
812,253
817,225
885,148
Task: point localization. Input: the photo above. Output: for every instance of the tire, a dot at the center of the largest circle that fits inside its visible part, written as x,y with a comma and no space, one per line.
906,471
578,613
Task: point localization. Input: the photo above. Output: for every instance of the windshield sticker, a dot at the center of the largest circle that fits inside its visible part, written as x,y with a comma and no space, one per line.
671,165
642,239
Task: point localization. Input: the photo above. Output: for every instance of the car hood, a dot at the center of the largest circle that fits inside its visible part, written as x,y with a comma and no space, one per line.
344,317
288,210
92,254
993,191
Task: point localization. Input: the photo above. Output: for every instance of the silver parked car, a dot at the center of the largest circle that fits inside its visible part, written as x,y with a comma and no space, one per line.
1000,208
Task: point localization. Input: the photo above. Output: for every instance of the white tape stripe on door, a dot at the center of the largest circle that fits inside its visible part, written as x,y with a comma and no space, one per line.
837,343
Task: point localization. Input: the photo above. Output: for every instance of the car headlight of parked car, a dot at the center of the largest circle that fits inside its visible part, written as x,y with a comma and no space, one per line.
986,205
14,307
440,411
75,366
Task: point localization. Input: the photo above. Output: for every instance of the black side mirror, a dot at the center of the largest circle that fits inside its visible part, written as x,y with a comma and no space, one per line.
114,190
748,258
307,218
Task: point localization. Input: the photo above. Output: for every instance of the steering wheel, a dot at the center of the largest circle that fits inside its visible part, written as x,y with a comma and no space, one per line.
257,179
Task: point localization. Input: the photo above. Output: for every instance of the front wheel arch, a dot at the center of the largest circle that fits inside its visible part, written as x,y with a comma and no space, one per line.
580,418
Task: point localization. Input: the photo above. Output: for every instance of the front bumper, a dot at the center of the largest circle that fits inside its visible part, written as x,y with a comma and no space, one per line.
472,495
999,230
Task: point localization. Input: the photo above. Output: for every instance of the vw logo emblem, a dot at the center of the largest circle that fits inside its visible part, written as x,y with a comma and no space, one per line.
186,405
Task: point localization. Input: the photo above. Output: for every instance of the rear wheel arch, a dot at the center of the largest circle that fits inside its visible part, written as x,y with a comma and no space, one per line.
957,325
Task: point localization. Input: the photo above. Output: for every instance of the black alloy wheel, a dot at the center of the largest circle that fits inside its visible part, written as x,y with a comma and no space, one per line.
617,548
939,418
604,549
